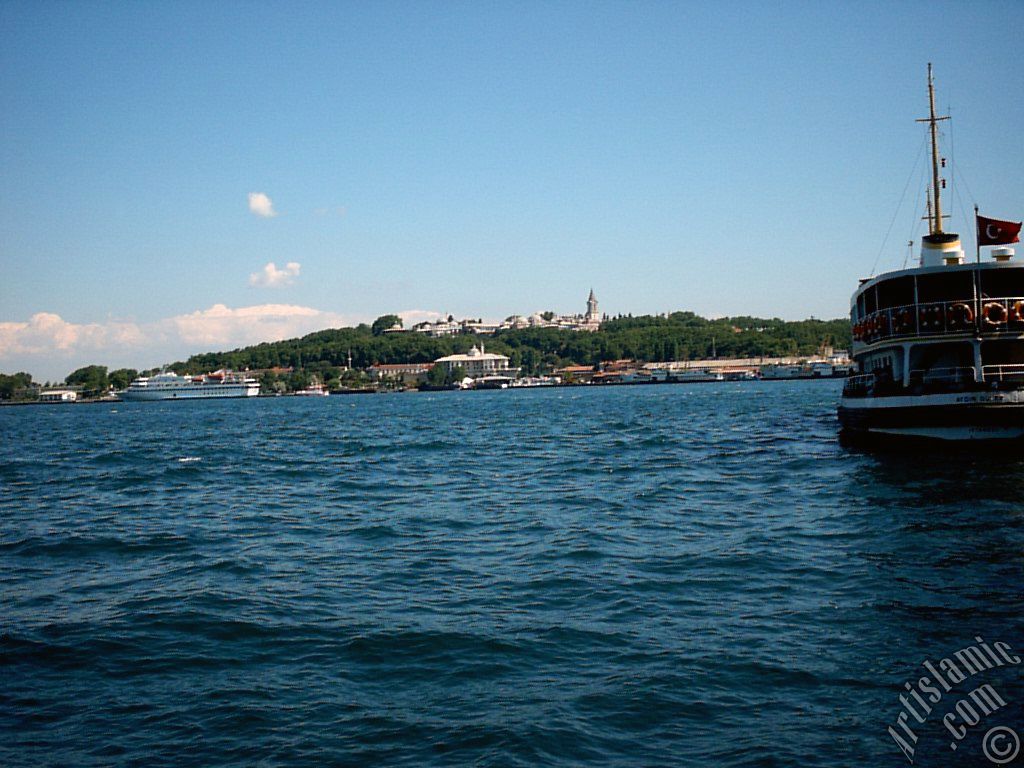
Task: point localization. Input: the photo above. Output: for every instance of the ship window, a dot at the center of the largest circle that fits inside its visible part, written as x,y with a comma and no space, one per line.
896,293
942,357
945,286
1002,353
869,301
1002,283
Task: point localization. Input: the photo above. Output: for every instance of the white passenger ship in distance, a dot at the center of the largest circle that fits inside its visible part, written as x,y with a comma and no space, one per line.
171,386
939,348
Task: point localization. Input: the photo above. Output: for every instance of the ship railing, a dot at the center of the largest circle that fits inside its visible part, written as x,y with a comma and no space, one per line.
859,385
1013,372
967,315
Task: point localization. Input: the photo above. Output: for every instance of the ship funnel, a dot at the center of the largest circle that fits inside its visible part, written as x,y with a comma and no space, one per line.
941,249
1002,254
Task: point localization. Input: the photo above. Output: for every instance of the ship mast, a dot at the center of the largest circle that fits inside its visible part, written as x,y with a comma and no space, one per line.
938,248
935,222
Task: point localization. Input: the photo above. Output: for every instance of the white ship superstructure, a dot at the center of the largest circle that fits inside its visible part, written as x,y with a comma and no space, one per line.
171,386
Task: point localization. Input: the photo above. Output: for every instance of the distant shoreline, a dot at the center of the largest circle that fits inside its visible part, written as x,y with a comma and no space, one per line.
563,385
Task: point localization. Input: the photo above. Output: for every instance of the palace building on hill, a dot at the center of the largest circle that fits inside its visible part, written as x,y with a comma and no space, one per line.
588,321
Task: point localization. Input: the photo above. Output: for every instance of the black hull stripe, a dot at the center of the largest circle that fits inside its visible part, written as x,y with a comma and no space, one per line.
935,416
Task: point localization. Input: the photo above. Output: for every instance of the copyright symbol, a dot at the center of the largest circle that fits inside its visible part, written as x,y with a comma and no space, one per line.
1001,745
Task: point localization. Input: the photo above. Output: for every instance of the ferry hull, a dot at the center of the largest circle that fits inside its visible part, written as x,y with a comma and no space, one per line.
948,421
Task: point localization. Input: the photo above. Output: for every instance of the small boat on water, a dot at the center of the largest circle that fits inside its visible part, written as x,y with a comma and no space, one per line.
492,382
315,389
939,348
536,381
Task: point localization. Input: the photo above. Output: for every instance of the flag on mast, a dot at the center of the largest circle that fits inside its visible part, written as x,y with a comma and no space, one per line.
996,232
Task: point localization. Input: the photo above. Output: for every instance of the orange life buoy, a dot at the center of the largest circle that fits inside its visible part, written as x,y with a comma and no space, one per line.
1017,312
994,313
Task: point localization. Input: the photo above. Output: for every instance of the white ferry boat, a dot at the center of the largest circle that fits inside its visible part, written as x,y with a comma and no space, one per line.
780,371
694,375
171,386
811,369
939,348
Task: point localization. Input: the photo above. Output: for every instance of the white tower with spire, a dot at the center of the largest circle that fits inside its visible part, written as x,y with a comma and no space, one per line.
592,315
592,319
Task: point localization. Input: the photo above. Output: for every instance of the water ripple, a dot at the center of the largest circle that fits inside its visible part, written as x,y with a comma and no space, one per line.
609,576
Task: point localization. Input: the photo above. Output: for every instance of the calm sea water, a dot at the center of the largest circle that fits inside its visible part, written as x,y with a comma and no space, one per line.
676,575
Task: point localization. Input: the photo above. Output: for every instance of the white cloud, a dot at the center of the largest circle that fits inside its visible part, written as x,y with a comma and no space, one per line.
411,317
272,277
221,327
46,333
261,205
50,347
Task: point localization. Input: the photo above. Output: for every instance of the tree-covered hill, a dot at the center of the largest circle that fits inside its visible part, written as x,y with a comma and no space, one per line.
678,336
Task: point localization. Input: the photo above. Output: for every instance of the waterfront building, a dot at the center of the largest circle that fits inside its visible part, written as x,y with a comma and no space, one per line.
408,374
576,373
618,366
58,396
477,363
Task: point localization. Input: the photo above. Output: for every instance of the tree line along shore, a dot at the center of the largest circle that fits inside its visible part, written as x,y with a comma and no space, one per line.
339,358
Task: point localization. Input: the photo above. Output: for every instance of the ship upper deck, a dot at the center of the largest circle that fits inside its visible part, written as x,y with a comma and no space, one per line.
930,302
998,272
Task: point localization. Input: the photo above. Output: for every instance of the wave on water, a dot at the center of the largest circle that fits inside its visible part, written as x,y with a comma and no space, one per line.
599,576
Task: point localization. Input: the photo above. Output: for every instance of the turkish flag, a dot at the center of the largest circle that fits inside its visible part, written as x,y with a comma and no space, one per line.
996,232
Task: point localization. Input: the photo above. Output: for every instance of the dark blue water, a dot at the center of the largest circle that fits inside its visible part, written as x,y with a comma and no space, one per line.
677,575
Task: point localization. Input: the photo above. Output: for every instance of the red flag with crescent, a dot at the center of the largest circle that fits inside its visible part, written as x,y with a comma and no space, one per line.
996,232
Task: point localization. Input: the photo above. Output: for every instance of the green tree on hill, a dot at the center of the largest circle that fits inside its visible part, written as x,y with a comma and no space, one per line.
122,377
384,323
12,384
677,336
437,376
92,378
298,380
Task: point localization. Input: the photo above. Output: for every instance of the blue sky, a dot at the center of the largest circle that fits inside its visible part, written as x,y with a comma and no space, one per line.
479,158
